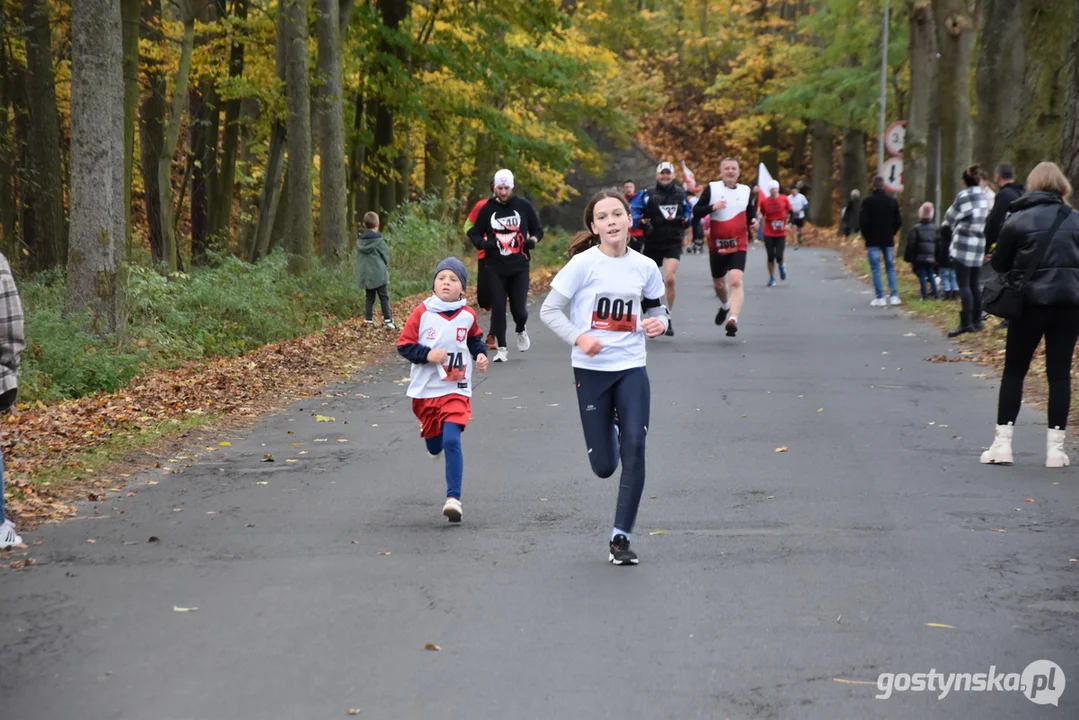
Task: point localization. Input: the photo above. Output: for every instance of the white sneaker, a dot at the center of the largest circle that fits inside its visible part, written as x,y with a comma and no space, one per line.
896,301
1054,449
877,302
523,343
1000,452
8,538
502,354
452,509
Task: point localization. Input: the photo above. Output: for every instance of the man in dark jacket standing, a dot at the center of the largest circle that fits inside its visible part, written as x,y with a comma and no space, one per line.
1008,192
879,220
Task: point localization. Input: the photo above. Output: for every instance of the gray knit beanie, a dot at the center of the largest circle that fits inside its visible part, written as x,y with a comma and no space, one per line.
456,267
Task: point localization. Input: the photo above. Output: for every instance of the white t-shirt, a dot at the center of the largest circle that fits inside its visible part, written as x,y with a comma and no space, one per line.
606,294
798,204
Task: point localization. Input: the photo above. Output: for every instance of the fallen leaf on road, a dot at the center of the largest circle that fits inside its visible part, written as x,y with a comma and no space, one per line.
909,335
1029,500
324,418
543,499
353,711
374,425
176,608
327,439
820,409
1075,560
552,404
262,482
295,444
292,460
153,539
342,440
781,448
884,353
839,618
91,541
998,530
854,682
267,458
384,552
939,625
224,443
177,509
513,397
770,497
942,425
431,646
658,532
303,452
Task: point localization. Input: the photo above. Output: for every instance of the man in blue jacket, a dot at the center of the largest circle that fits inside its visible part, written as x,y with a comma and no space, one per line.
664,214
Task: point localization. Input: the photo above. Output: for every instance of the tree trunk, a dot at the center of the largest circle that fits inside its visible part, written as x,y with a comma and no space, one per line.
383,161
298,95
769,148
333,200
923,77
798,153
275,160
999,78
152,130
1047,86
202,135
129,17
249,207
96,278
955,38
359,198
221,203
852,164
434,159
172,135
7,153
820,198
1069,155
46,165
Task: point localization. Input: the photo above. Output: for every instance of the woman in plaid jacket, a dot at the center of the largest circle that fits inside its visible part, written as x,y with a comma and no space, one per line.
12,342
966,217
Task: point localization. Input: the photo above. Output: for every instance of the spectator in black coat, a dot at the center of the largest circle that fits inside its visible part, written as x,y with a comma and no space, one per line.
922,250
1051,307
1008,192
879,220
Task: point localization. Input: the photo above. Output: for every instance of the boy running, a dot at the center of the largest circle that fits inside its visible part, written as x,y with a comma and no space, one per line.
441,339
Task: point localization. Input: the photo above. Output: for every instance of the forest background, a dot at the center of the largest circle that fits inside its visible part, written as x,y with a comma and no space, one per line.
184,179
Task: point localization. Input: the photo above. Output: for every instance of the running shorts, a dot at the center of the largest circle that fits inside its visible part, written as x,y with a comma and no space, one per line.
722,264
433,412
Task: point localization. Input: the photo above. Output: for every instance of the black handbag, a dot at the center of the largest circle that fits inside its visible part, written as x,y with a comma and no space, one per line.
1003,296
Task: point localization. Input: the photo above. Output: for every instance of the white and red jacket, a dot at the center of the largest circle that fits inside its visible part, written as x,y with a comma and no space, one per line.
458,333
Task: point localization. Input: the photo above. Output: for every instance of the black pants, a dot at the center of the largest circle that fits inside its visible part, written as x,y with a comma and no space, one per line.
384,299
1060,326
600,394
483,285
970,290
514,287
774,247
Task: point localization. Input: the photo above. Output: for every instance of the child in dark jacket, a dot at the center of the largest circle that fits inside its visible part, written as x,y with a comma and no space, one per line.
373,269
921,250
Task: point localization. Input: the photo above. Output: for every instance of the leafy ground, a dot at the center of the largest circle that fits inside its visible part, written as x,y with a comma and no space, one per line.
83,449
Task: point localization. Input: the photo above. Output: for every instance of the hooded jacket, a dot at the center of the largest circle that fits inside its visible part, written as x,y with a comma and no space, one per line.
372,260
1056,281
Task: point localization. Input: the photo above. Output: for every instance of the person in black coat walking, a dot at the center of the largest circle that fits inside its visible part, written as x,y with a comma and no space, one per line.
1051,307
879,220
1008,192
922,250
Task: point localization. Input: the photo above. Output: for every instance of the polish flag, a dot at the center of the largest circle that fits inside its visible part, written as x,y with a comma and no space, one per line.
689,177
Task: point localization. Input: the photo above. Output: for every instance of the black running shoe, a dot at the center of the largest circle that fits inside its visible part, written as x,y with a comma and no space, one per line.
670,329
620,552
732,327
721,315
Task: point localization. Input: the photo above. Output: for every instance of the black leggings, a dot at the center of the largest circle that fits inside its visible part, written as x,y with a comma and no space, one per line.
384,299
1060,326
970,290
775,246
600,394
515,287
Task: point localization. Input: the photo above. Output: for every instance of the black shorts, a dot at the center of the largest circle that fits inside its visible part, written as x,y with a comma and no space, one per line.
661,253
798,222
722,264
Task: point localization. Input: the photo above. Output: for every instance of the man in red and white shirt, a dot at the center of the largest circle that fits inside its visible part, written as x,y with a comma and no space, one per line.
732,220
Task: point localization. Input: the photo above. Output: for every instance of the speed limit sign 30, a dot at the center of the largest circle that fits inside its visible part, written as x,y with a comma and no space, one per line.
894,137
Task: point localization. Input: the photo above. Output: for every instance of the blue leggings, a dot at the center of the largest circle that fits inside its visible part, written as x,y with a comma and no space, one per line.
600,395
450,443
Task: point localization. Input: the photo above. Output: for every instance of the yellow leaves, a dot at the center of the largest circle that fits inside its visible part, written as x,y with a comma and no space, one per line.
940,625
325,418
431,646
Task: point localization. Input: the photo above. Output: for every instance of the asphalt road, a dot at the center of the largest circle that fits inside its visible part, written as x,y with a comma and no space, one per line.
783,585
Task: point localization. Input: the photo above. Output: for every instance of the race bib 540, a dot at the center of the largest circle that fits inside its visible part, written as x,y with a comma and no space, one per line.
614,314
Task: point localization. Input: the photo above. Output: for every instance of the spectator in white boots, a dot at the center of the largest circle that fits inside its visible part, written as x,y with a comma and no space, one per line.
12,342
1041,223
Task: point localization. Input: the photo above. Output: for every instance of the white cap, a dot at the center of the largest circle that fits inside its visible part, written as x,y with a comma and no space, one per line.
504,177
664,166
774,185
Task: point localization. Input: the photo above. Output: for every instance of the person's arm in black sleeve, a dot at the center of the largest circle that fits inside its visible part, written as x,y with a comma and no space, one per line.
1003,258
703,208
995,221
477,346
535,227
415,353
478,232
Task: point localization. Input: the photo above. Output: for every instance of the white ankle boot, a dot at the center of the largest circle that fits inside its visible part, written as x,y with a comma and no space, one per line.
1054,449
1000,452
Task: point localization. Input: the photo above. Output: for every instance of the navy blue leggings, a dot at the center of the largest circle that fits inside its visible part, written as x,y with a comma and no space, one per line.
600,394
450,442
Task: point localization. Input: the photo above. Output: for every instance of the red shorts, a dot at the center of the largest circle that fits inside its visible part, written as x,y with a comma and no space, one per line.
433,412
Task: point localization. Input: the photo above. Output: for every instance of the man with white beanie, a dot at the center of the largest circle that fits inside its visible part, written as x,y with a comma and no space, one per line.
507,228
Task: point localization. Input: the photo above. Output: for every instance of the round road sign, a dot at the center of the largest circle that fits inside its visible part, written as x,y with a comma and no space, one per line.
892,172
893,138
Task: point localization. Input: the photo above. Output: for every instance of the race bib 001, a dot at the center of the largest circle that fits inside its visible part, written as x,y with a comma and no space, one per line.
614,314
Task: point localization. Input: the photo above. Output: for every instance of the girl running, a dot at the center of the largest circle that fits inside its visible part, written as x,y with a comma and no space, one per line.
441,339
617,299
